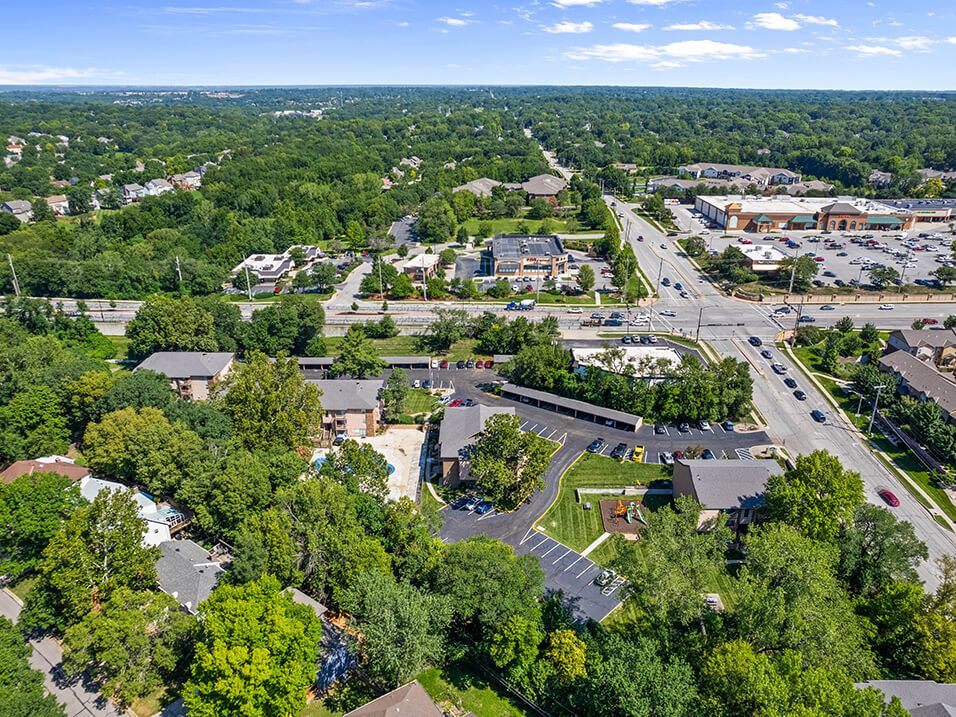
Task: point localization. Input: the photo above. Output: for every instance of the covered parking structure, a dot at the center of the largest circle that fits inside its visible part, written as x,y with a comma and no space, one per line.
317,366
573,407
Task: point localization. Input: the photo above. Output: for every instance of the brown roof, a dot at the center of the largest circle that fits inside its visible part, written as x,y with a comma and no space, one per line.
22,468
409,700
922,379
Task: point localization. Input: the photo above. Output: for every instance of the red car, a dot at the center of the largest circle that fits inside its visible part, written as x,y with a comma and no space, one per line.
930,322
443,364
818,258
479,363
455,404
890,499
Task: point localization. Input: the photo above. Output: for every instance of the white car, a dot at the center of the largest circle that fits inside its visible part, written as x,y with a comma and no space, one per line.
575,310
886,307
668,312
705,231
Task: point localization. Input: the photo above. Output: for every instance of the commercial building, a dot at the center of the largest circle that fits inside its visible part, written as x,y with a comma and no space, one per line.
271,268
187,572
481,187
528,255
350,407
190,373
649,362
763,259
764,214
544,186
760,176
459,430
926,210
730,491
421,267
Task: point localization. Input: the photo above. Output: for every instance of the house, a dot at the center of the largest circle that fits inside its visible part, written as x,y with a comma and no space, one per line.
760,176
302,599
921,698
544,186
413,162
351,407
459,430
59,204
155,187
187,572
161,519
879,179
133,193
421,267
61,465
730,491
936,346
190,373
684,184
409,700
921,381
811,185
927,173
516,255
481,187
187,180
20,208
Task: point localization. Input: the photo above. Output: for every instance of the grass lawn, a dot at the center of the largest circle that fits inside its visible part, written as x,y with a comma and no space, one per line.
121,346
568,522
151,703
510,226
23,586
550,297
420,401
466,687
318,708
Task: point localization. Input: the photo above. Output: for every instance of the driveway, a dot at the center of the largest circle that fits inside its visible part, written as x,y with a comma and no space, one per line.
78,698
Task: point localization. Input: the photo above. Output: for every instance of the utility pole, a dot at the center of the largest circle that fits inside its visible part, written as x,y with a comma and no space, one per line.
876,402
248,284
179,271
660,270
796,322
700,316
13,273
793,270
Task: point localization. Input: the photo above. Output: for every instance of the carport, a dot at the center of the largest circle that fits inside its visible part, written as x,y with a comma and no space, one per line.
572,407
317,366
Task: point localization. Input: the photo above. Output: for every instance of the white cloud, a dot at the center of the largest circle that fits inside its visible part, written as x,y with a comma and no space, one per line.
654,3
576,3
667,65
702,25
917,43
631,26
38,74
874,51
951,40
773,21
671,53
404,23
453,21
574,28
816,20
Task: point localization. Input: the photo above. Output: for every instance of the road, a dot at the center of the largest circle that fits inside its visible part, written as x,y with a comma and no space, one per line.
726,324
76,696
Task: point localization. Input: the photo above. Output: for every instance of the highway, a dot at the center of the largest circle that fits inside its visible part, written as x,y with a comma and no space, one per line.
727,323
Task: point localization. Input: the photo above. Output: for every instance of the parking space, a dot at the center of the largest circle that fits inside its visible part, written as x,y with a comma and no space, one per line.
573,574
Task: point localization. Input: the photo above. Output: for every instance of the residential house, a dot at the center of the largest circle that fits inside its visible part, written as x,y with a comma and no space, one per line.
191,373
20,208
413,162
61,465
187,180
936,346
459,430
684,184
921,381
409,700
59,204
946,176
760,176
921,698
155,187
729,491
161,519
811,185
351,407
879,179
187,572
421,266
133,193
481,187
544,186
539,256
302,599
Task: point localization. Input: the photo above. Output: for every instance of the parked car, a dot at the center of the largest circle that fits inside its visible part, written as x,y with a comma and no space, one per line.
471,503
683,427
434,363
703,425
637,455
596,445
339,439
460,364
728,426
667,458
443,364
889,497
455,404
483,507
659,429
818,416
620,450
708,455
605,578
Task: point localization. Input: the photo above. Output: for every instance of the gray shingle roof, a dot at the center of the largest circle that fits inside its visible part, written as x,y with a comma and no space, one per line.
922,337
186,571
841,208
917,693
480,187
922,377
186,364
17,206
544,185
409,700
724,484
460,426
348,394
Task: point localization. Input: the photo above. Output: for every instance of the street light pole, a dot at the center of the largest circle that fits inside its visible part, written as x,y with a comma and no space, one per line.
660,270
700,315
876,402
793,270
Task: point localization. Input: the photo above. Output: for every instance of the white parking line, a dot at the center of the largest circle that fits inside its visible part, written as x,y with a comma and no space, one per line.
585,570
556,545
528,536
562,557
492,514
552,433
521,427
545,540
580,558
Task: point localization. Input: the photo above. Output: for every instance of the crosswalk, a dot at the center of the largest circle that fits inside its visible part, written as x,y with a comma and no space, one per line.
744,454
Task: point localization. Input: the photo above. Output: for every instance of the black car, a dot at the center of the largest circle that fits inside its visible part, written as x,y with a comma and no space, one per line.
620,450
460,364
766,354
617,315
645,339
659,429
613,322
755,341
595,445
683,427
807,319
708,455
800,395
818,416
665,281
790,383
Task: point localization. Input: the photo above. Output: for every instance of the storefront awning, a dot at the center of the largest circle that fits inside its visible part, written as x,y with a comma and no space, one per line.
804,219
894,221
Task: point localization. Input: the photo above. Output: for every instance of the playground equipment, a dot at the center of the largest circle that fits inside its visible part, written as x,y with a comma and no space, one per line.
628,512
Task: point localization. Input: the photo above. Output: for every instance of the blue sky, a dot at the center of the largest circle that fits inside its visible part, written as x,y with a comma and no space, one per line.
838,44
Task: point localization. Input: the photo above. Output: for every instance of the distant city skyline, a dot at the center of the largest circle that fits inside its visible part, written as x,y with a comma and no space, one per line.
801,44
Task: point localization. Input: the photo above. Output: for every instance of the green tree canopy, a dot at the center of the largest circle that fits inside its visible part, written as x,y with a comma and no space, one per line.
163,323
358,358
509,464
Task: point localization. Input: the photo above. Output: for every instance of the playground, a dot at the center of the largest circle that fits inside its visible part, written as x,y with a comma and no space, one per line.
625,516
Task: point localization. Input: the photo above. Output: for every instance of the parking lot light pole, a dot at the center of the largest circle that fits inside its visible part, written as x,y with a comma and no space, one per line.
876,402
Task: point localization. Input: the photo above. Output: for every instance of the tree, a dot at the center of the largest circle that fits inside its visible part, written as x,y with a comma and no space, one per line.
255,654
359,467
98,550
402,629
325,275
264,545
136,642
436,221
22,693
568,654
695,246
166,324
946,275
831,352
450,326
585,278
32,424
270,404
447,256
540,209
508,464
9,224
80,199
358,357
402,287
876,549
293,325
802,268
514,645
882,276
950,322
485,229
33,508
395,394
844,325
817,496
869,334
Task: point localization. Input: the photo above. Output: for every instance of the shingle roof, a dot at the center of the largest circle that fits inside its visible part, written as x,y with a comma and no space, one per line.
348,394
723,484
186,364
917,693
409,700
187,572
55,464
922,337
923,378
480,187
841,208
18,205
460,426
544,185
302,599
